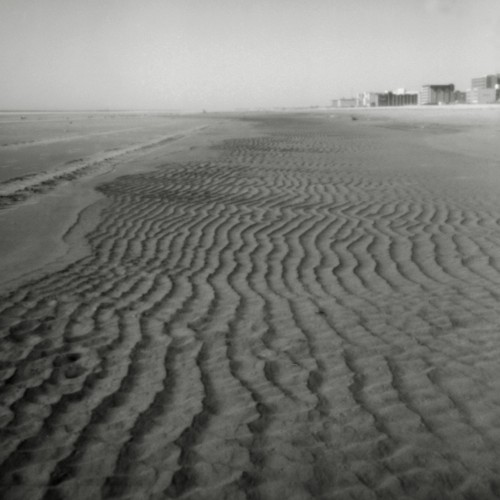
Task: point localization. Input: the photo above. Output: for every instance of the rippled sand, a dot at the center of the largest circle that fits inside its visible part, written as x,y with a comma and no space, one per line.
309,311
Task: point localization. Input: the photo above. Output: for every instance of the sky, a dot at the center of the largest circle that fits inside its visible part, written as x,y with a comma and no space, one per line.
189,55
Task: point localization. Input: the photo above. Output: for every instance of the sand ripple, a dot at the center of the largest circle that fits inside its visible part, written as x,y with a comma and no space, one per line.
285,322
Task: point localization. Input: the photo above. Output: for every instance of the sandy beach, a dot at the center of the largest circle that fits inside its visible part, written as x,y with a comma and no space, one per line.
256,306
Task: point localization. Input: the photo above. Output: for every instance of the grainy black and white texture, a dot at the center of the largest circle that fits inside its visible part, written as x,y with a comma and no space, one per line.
306,316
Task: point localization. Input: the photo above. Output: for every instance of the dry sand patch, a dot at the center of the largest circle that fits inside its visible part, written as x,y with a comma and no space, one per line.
307,312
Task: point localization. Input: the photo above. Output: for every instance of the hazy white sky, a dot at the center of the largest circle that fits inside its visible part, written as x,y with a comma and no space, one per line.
225,54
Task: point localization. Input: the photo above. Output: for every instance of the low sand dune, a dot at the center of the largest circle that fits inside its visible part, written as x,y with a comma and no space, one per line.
308,312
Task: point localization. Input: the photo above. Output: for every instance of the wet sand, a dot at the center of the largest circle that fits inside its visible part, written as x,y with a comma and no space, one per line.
286,306
38,142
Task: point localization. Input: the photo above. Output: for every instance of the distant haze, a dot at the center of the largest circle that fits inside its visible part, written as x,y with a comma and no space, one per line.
226,54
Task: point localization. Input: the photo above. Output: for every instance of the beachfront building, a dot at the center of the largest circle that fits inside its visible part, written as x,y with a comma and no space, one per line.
368,99
485,82
436,94
459,97
345,102
484,89
397,98
481,96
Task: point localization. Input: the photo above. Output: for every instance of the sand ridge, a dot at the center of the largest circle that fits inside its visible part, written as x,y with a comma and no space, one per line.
306,314
19,189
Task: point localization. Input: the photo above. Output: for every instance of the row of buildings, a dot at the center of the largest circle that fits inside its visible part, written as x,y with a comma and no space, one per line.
484,90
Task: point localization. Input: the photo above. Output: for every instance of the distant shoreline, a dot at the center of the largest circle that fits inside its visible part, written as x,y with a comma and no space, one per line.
299,109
